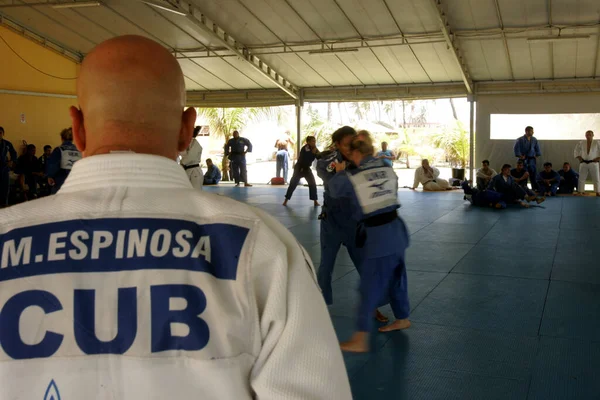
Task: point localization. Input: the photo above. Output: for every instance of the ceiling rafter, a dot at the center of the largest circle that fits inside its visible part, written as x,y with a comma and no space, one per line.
203,23
40,39
451,41
499,14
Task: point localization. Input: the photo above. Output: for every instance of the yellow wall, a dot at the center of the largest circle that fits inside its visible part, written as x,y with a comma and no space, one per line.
17,75
45,117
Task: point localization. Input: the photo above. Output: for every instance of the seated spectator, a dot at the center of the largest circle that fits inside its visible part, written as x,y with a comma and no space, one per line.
569,179
511,192
43,182
30,172
44,157
485,175
548,180
386,155
520,174
429,177
212,175
482,198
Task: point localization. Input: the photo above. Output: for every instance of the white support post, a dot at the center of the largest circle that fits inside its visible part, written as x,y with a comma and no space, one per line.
299,105
471,99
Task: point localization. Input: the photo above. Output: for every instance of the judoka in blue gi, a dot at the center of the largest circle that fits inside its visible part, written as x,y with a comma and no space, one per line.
61,160
338,222
236,149
548,180
511,192
6,150
569,180
372,188
213,173
482,198
308,154
528,150
521,175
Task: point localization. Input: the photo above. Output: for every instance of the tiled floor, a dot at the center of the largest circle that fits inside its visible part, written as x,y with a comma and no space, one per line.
505,303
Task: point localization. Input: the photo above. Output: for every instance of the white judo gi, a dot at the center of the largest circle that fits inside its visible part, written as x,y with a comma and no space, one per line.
427,180
130,284
191,157
592,169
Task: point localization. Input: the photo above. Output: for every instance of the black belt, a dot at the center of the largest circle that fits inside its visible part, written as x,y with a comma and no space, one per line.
186,167
380,219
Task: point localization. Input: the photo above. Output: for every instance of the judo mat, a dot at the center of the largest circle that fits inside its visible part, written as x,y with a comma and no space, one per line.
505,303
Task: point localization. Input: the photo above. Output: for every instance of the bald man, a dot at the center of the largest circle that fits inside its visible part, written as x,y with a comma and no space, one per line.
130,284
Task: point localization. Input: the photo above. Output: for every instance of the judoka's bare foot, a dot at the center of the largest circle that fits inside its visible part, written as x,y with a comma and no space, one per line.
247,185
597,194
530,198
317,204
540,200
380,317
397,325
498,206
523,204
358,343
285,202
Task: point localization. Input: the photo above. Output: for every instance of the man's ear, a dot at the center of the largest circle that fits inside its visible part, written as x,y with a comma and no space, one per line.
188,120
78,128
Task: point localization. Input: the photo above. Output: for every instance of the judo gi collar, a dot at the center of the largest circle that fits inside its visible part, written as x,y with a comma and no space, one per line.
125,170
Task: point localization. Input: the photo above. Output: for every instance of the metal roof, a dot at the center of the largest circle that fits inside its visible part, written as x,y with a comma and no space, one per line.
249,45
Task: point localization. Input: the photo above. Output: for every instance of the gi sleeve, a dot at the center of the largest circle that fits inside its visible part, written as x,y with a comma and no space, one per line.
538,152
480,174
226,148
494,173
417,179
517,148
436,172
577,152
53,163
248,145
340,185
300,357
492,184
324,166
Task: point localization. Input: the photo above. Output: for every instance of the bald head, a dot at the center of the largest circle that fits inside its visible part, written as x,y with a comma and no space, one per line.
131,95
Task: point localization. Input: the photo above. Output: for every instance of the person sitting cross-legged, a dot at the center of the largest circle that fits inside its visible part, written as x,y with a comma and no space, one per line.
485,175
548,180
505,184
569,179
212,175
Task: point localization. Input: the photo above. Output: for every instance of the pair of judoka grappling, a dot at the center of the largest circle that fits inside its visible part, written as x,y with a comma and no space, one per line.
360,211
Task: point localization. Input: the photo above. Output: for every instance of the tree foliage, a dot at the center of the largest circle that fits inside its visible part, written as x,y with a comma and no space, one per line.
454,140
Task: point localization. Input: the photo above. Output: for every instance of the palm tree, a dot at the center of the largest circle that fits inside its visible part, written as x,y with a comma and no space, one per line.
223,121
454,140
316,126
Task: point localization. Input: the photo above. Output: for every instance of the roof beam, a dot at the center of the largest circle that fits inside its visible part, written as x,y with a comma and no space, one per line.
203,23
450,40
499,14
41,40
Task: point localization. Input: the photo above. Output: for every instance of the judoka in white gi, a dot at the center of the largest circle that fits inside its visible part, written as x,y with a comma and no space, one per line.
131,284
191,158
588,153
